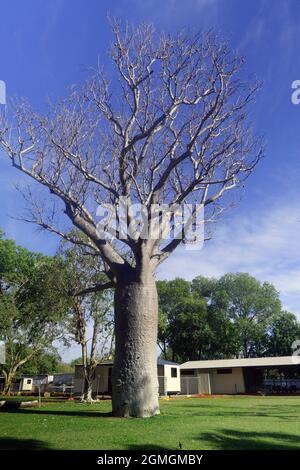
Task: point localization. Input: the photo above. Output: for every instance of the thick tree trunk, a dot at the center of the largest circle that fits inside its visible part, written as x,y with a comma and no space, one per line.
134,379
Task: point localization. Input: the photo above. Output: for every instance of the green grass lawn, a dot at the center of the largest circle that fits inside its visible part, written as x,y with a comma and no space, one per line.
207,423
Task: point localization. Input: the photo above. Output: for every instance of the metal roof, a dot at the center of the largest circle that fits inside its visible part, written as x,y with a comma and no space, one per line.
251,362
163,362
160,362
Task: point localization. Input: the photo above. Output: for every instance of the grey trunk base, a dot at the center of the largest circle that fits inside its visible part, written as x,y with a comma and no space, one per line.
134,378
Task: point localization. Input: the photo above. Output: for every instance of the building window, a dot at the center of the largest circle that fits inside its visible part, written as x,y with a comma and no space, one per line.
28,381
224,371
173,372
187,372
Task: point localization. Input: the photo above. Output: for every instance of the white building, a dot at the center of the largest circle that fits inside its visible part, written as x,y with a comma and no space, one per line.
168,374
232,376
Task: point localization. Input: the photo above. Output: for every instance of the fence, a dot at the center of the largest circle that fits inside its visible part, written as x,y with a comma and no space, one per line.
196,385
60,389
40,388
281,385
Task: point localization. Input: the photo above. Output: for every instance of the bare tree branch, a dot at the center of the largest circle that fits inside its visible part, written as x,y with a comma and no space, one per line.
170,127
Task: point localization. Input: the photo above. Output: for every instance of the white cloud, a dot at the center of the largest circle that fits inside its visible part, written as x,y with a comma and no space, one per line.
266,244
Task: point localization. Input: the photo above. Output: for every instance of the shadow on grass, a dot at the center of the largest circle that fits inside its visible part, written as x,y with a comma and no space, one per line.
265,406
11,443
284,412
228,439
236,414
41,412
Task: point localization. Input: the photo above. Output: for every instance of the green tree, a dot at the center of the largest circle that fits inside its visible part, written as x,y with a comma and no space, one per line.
189,328
65,368
75,362
33,305
16,263
190,331
218,318
250,305
283,331
169,294
203,287
47,362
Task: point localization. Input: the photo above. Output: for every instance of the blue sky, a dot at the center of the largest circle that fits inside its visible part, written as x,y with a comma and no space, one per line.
47,45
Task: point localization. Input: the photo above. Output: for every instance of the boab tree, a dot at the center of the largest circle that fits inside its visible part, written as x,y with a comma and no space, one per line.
166,124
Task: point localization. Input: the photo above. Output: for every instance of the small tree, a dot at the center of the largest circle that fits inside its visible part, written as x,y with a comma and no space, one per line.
91,308
169,126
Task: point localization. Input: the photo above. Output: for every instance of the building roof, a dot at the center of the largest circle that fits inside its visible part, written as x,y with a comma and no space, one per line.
107,362
160,362
163,362
251,362
62,374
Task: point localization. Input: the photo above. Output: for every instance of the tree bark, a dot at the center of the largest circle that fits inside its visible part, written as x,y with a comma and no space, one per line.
88,363
87,393
88,372
8,383
134,378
